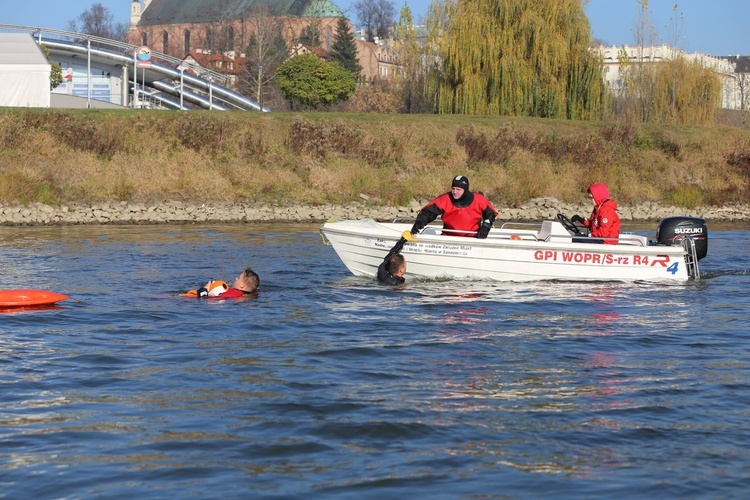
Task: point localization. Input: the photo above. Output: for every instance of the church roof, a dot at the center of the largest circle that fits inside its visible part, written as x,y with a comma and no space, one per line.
161,12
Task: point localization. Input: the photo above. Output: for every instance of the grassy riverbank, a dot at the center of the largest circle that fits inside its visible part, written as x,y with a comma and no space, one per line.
63,156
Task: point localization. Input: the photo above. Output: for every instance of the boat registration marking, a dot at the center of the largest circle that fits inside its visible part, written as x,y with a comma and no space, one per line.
601,258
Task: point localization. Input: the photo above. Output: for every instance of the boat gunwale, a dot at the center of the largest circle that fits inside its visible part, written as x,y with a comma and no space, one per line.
501,242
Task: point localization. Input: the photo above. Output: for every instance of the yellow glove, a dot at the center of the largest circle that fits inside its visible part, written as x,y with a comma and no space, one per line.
408,236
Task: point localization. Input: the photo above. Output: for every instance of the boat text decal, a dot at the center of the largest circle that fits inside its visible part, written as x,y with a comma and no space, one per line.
601,258
432,248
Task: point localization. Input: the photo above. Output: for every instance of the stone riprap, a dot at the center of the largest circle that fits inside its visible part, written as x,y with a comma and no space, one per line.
38,214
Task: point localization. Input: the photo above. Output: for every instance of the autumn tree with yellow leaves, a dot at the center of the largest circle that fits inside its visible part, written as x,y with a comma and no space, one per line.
675,90
413,83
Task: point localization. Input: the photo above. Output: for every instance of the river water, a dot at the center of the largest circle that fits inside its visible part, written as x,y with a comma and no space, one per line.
330,385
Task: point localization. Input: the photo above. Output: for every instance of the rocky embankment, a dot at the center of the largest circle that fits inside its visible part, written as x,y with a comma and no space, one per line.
38,214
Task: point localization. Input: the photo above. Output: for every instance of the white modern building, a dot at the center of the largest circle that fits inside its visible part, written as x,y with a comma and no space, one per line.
24,72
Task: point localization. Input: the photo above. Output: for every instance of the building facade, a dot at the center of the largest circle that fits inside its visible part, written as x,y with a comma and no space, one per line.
612,58
180,27
378,59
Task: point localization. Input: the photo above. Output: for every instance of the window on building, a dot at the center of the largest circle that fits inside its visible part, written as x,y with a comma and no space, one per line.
230,36
144,38
165,42
187,41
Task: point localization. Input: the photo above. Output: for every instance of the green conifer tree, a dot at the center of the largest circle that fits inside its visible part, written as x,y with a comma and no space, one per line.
344,49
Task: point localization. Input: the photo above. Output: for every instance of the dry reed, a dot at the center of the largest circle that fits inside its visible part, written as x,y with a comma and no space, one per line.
63,156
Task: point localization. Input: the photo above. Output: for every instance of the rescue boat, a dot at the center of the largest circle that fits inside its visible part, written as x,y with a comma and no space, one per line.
550,250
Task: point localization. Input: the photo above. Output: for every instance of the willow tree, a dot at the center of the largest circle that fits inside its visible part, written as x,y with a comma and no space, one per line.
686,93
519,57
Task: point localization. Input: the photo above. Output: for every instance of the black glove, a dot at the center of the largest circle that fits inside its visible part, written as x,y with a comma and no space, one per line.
396,248
202,292
578,219
484,230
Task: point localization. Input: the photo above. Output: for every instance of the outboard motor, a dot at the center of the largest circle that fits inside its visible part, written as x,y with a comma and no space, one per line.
673,230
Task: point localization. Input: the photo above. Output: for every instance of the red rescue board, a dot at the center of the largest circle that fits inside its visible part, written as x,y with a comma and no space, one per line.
29,298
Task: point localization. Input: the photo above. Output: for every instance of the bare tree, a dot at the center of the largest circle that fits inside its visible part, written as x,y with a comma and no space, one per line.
638,78
376,17
98,21
599,42
385,14
366,15
742,80
265,53
675,34
743,83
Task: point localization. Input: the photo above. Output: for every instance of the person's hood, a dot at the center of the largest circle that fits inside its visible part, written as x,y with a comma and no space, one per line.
600,193
467,198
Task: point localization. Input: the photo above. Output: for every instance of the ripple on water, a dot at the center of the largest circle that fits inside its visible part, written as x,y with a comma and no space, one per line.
332,385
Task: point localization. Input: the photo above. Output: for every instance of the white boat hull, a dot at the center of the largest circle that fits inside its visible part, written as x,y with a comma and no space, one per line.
547,252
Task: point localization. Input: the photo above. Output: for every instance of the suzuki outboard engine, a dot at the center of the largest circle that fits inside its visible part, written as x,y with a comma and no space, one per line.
673,230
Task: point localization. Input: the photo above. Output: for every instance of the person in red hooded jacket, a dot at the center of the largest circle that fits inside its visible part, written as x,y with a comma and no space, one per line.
604,221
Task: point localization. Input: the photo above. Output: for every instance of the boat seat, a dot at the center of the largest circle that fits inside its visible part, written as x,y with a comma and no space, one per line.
553,231
633,239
